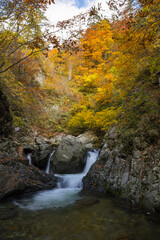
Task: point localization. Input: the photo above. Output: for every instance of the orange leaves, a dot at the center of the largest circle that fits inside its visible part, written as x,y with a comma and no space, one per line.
94,79
96,43
104,94
99,73
135,38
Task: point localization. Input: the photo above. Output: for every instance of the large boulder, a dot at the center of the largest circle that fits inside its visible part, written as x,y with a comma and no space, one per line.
89,139
41,153
43,149
69,156
16,179
38,147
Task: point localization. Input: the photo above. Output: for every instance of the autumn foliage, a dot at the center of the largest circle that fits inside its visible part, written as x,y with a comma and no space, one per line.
87,80
113,56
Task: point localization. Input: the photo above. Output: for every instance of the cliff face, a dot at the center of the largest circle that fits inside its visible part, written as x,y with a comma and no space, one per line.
131,172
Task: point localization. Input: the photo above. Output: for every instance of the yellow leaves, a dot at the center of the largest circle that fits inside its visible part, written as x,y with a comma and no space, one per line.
82,120
105,89
90,80
96,42
38,3
88,119
53,53
145,9
103,95
94,80
106,117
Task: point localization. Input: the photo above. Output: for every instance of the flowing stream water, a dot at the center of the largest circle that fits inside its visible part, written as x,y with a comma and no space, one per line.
49,160
65,214
66,193
29,158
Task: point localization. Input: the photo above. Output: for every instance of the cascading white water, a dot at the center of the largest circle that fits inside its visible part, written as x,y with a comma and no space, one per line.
49,160
75,180
29,158
66,193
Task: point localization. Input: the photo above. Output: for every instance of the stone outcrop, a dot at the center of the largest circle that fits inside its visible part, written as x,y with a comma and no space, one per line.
41,153
42,148
131,172
69,156
70,153
16,175
17,179
18,148
88,139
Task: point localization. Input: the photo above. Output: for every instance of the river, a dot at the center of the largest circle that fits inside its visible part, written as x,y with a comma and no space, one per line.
66,214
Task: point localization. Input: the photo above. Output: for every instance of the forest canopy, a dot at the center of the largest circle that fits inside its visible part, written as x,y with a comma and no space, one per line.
86,81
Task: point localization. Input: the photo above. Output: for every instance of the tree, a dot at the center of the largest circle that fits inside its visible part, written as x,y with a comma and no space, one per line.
20,25
113,56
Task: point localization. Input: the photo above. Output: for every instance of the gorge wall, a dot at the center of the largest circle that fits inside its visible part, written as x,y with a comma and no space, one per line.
127,170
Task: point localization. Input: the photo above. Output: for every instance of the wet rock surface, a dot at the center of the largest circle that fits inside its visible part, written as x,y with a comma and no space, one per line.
89,140
41,152
132,175
41,147
17,178
69,156
18,148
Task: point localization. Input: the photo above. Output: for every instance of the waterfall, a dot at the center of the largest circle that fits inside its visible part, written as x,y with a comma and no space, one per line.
66,193
29,158
75,180
49,160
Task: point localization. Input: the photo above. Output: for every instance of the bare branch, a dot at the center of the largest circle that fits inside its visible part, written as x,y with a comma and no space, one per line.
12,65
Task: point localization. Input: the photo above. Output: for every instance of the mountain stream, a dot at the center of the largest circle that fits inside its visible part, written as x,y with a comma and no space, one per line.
66,214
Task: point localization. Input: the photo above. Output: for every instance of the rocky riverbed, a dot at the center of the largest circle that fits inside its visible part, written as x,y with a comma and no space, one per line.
18,175
129,171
